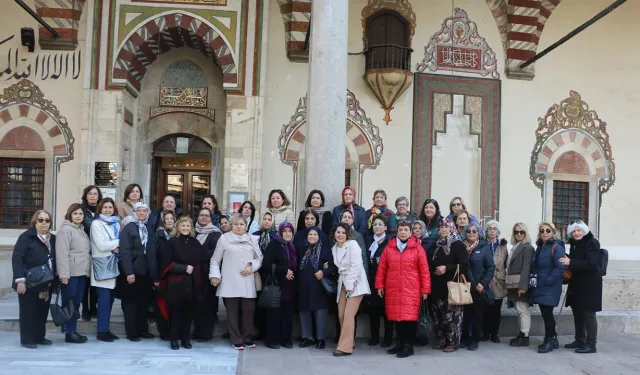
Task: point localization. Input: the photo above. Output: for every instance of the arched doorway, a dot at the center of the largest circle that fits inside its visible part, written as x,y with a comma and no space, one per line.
181,167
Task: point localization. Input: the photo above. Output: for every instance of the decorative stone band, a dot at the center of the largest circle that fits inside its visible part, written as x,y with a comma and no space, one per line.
165,33
53,130
296,15
64,17
574,152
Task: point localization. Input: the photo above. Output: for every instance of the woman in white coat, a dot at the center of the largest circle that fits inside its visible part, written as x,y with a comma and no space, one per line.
105,231
352,285
233,264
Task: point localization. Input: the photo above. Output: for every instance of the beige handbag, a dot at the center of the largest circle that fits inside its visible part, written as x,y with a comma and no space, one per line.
459,292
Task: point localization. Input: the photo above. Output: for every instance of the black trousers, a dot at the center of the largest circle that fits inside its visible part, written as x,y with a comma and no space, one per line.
549,321
260,320
33,317
586,326
180,320
280,324
406,333
206,317
90,299
492,317
473,321
375,314
135,317
161,323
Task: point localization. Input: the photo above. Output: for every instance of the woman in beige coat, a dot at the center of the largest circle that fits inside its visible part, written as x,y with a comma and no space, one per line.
280,207
498,285
352,285
105,234
232,268
72,265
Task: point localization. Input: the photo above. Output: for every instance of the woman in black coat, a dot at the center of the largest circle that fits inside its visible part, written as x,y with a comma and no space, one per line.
280,256
155,248
584,293
375,244
133,286
91,196
34,248
312,298
315,201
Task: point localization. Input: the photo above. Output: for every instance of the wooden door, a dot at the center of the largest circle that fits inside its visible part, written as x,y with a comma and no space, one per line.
188,187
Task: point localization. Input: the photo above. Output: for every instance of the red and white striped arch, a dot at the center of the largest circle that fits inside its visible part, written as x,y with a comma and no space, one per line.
164,33
572,151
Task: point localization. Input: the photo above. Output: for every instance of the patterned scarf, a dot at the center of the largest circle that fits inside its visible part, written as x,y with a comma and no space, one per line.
289,249
142,231
472,246
375,211
444,242
312,255
113,221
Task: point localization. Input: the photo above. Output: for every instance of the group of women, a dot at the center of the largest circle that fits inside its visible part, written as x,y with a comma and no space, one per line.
393,266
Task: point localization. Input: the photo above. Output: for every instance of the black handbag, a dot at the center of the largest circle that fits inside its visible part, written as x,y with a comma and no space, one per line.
270,295
61,314
329,285
38,275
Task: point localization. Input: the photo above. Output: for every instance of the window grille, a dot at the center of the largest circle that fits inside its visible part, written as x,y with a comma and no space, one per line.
21,191
570,203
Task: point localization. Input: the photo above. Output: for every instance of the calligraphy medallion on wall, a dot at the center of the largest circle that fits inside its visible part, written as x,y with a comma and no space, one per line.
458,47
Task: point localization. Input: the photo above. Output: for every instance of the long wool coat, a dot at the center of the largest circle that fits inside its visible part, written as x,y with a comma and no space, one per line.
585,286
498,284
405,277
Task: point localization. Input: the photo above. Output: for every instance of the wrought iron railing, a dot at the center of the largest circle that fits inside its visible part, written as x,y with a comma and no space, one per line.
388,56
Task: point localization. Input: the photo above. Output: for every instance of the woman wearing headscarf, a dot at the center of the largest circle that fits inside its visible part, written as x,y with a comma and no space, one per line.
349,204
498,286
404,280
281,258
105,234
182,281
420,232
380,208
446,256
547,289
315,201
300,239
402,211
155,248
34,248
312,298
133,286
430,214
248,210
376,243
584,293
481,271
519,269
207,235
263,238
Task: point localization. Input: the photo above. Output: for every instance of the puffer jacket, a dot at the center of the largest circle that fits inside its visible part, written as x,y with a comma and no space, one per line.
405,277
549,272
73,248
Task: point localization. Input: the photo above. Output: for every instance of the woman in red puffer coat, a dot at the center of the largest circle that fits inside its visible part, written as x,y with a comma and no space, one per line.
403,279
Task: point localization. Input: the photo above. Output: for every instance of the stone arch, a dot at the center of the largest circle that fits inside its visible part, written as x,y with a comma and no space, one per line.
24,105
165,32
22,138
573,145
364,146
520,25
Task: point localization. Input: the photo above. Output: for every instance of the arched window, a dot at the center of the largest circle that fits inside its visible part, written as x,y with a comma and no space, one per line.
388,41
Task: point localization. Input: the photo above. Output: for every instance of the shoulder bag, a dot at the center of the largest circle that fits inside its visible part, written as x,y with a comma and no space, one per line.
105,268
330,286
270,295
38,275
61,314
459,291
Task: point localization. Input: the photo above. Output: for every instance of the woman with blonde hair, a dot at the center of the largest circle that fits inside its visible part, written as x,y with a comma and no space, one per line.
517,281
546,281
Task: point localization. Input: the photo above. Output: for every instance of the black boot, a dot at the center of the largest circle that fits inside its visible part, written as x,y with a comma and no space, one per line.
386,342
473,346
520,341
104,336
175,345
555,343
374,341
577,344
406,351
395,350
186,344
495,339
586,350
75,338
547,346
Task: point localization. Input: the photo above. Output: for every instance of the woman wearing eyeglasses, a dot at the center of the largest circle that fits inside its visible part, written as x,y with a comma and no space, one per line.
546,278
517,281
35,248
457,204
481,271
584,293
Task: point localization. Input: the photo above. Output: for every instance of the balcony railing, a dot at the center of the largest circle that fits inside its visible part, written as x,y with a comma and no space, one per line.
388,56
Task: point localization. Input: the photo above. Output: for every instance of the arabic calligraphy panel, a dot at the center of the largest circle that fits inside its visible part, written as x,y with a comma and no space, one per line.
183,97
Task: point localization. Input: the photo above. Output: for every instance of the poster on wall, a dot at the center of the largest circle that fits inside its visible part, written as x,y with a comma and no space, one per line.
108,192
235,201
106,174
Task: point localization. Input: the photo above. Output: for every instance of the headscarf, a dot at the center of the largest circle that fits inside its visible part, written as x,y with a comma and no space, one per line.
265,234
290,250
375,211
425,233
142,224
167,234
312,254
114,221
444,243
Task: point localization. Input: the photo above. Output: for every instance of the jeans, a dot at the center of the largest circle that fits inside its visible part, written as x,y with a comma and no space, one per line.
549,321
586,326
473,320
105,302
74,290
306,323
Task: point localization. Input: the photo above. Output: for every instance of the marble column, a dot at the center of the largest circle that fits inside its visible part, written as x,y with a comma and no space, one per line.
327,99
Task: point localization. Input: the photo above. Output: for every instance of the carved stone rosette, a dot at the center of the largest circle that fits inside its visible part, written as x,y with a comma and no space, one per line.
459,47
573,113
27,92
